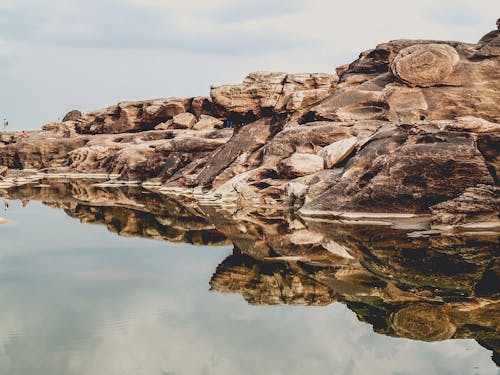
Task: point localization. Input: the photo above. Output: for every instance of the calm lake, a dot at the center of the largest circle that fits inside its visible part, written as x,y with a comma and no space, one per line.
80,299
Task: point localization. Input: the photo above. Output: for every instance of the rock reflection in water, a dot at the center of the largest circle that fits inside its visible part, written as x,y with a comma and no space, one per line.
431,287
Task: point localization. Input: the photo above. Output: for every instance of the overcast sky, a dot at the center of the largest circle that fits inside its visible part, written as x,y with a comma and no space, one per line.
58,55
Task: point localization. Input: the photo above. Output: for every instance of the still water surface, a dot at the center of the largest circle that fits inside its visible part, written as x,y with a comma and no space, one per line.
77,299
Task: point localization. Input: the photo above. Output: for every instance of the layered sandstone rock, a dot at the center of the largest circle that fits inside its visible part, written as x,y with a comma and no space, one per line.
410,127
265,93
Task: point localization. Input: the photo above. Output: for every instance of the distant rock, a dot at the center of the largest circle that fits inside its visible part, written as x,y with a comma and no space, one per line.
72,116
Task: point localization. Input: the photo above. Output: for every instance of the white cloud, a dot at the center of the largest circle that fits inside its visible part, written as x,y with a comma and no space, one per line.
119,49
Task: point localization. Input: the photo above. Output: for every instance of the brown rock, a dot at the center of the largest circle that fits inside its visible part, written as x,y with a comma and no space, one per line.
164,125
425,65
202,105
72,116
337,151
423,322
397,171
184,121
231,156
299,165
416,80
208,123
263,93
480,203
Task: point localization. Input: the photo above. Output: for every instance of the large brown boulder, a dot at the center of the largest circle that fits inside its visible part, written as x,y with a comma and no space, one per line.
425,65
401,170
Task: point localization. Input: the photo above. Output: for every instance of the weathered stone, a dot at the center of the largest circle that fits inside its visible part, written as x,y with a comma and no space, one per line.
263,93
480,203
164,125
64,129
416,80
202,105
184,121
233,154
299,165
425,65
412,126
399,171
72,115
207,123
423,322
337,151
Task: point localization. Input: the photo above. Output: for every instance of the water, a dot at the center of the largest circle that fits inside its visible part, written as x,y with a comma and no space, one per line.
79,299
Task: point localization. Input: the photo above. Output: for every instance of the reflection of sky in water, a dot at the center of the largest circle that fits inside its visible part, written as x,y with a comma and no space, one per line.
77,299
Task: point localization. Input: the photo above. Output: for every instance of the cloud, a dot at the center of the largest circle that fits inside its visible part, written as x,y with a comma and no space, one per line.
57,55
115,25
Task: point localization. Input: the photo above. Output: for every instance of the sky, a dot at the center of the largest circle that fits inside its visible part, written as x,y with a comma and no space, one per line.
59,55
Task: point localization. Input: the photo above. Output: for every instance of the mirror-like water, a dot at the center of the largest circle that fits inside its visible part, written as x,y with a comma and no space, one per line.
79,299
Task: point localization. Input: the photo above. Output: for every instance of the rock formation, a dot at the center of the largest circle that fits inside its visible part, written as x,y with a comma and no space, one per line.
410,127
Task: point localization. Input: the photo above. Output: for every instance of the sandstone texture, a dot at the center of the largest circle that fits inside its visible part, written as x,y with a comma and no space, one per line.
410,127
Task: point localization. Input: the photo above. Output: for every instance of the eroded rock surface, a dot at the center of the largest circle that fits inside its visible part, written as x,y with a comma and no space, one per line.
410,127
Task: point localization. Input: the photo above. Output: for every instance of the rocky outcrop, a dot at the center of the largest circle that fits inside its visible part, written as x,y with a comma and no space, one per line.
411,126
265,93
416,80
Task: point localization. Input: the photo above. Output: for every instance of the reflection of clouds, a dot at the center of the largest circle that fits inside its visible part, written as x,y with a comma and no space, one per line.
129,306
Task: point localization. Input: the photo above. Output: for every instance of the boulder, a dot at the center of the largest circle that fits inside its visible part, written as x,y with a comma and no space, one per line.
337,151
299,165
417,80
401,170
72,115
424,322
425,65
202,105
184,121
207,123
130,116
